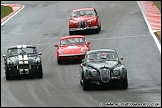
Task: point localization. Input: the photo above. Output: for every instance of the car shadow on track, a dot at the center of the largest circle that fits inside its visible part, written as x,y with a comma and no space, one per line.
24,78
105,88
88,33
70,63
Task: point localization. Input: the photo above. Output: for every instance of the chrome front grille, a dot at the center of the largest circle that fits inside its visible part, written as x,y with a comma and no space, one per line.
82,24
105,74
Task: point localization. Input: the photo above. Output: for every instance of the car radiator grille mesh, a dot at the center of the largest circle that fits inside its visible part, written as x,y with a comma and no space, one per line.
83,24
105,74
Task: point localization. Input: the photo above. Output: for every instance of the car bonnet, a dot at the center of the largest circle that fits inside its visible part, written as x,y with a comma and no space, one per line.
109,64
21,59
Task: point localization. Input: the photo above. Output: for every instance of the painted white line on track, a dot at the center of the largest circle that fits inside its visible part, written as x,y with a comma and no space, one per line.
12,15
157,30
151,31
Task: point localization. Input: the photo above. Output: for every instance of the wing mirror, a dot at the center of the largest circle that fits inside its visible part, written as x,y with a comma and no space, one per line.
4,56
70,17
88,43
40,53
121,58
56,45
83,63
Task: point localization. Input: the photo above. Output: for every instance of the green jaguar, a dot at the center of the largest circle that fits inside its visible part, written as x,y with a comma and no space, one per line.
102,67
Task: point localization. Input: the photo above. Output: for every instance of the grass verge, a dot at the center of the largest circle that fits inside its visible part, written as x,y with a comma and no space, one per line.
158,5
5,10
158,34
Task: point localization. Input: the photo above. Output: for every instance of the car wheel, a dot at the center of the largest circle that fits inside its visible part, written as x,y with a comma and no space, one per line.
8,77
97,30
40,75
124,83
59,61
81,82
100,28
85,85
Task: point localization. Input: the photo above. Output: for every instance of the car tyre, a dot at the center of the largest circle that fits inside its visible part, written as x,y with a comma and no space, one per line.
100,28
124,84
81,82
8,77
85,85
97,30
59,61
40,75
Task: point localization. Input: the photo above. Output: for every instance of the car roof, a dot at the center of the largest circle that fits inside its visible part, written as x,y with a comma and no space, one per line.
22,46
101,49
83,9
72,36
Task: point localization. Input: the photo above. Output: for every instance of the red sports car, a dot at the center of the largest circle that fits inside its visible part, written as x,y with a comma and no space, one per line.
72,47
84,19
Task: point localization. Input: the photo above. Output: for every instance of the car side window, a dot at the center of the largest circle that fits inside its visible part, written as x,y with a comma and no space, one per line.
89,12
82,41
82,13
9,52
34,51
12,52
77,13
65,42
115,56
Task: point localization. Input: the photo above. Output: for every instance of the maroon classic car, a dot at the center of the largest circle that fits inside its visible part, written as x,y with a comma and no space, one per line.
84,19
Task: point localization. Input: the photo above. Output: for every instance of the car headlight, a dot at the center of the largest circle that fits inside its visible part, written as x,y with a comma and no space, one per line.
89,22
9,63
83,50
75,23
116,71
61,52
38,60
92,71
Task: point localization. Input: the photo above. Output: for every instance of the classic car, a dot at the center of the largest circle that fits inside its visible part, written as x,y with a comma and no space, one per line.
22,60
71,48
102,67
84,19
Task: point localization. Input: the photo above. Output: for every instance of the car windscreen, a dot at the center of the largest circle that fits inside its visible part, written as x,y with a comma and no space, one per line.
101,56
17,51
83,12
72,41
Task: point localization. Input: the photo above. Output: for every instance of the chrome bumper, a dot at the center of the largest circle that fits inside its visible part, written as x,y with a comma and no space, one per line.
86,28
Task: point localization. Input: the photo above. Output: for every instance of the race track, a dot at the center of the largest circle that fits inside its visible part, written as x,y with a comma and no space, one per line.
42,23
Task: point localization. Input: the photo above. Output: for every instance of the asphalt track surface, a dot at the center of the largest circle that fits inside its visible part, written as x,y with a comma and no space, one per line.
43,23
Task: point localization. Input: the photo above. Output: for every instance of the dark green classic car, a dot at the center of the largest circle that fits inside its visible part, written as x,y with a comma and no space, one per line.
102,67
22,60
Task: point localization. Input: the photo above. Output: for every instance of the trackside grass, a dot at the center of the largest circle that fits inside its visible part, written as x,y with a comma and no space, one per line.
5,10
158,4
